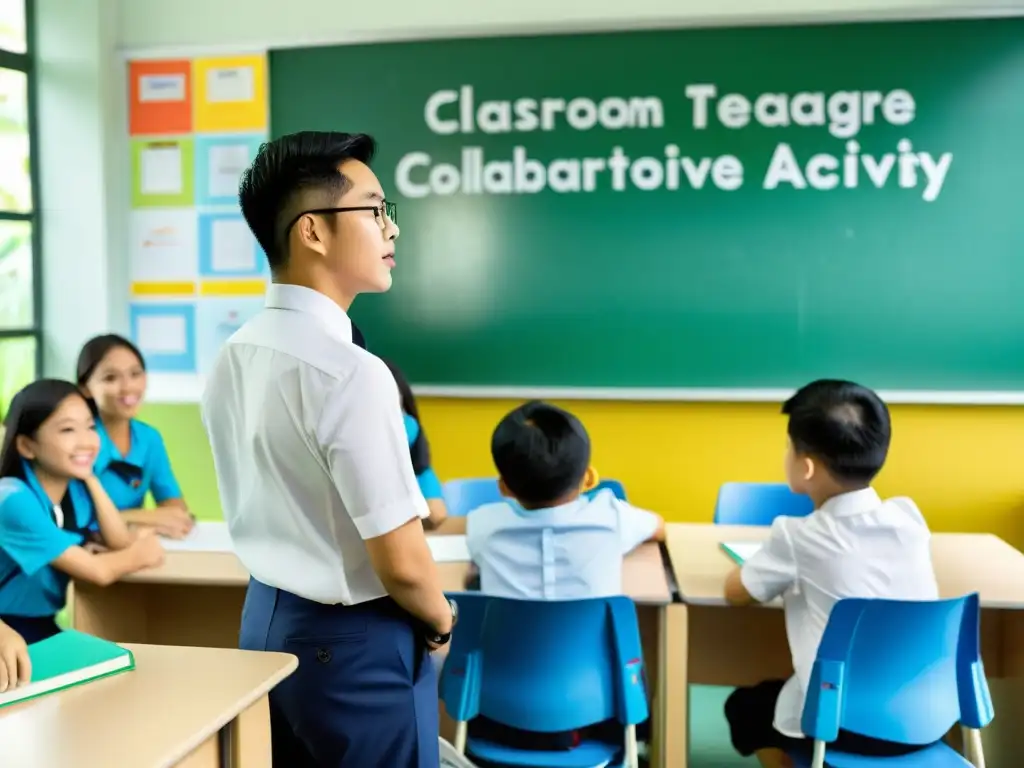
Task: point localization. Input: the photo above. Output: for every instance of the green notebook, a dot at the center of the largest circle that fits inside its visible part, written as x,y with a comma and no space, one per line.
66,660
741,551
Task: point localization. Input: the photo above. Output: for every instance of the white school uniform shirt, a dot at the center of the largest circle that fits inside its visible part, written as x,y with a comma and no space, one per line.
309,447
570,552
855,545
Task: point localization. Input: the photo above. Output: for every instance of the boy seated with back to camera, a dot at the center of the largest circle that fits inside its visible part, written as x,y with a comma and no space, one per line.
550,540
854,545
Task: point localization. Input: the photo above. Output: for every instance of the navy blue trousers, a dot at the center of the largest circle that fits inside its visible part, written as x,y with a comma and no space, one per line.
365,692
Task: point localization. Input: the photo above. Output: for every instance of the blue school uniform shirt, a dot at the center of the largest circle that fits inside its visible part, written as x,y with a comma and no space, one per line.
30,539
430,486
570,552
146,468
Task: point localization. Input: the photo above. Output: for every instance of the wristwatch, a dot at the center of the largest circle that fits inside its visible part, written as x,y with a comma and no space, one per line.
443,639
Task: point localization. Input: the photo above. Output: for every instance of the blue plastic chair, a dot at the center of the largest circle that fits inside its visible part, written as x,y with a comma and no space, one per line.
463,496
546,666
901,671
758,503
609,485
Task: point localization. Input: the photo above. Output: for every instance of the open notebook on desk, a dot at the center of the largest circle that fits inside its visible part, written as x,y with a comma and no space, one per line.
741,551
208,536
205,536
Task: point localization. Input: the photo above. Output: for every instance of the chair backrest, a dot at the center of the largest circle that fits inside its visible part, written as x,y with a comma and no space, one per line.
758,503
609,485
463,496
545,666
904,671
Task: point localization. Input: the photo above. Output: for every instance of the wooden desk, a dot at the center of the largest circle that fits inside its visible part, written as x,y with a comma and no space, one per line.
184,707
741,646
195,598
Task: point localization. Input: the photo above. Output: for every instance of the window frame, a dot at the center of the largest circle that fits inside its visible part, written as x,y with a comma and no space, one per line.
25,62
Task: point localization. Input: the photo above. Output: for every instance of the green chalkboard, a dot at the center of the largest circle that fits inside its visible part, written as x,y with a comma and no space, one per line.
707,209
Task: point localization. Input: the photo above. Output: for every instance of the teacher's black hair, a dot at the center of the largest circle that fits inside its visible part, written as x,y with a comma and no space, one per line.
843,425
420,448
541,452
292,170
29,410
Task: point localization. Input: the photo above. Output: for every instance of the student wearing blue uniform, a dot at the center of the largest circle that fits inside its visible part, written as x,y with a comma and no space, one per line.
132,460
54,513
419,450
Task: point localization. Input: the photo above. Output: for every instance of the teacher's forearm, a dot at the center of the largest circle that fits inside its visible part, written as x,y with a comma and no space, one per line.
423,599
405,567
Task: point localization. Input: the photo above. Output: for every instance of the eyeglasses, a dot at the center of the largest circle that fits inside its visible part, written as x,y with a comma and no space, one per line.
387,209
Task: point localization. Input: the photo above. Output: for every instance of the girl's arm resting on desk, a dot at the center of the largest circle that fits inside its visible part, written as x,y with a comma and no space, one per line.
170,518
113,528
438,514
106,568
15,665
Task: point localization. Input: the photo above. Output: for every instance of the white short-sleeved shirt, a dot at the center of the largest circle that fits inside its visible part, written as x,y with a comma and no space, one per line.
855,545
570,552
309,447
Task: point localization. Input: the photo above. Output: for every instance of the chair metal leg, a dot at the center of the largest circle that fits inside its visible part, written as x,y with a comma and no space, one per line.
632,753
460,737
973,750
818,759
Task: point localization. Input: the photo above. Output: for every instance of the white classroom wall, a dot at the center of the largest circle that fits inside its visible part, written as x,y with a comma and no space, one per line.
81,45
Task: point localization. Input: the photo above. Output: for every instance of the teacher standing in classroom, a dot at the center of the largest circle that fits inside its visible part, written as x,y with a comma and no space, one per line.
313,468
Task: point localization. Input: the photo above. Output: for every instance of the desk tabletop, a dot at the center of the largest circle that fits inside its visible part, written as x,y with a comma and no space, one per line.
964,563
643,576
174,700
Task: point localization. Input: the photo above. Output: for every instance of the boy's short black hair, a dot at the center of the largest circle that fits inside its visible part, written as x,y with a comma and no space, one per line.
541,452
843,425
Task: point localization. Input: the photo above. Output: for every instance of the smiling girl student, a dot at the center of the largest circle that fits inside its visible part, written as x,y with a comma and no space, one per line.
54,513
132,460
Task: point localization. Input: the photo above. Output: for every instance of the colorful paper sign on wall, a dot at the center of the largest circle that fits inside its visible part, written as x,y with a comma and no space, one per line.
160,97
216,321
162,173
163,244
197,273
220,161
165,334
231,94
227,247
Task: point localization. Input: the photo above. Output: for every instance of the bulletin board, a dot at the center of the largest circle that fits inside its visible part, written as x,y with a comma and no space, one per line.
196,272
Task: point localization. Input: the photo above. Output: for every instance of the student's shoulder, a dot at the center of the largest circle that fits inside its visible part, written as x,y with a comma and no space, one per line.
905,513
16,497
13,489
605,504
147,432
489,518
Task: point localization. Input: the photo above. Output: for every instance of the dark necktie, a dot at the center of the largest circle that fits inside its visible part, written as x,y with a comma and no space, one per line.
357,337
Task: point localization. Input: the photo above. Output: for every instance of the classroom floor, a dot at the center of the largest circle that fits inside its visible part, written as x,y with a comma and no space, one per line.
709,732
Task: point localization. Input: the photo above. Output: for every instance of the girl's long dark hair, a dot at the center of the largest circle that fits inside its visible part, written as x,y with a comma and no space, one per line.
96,348
420,448
29,409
